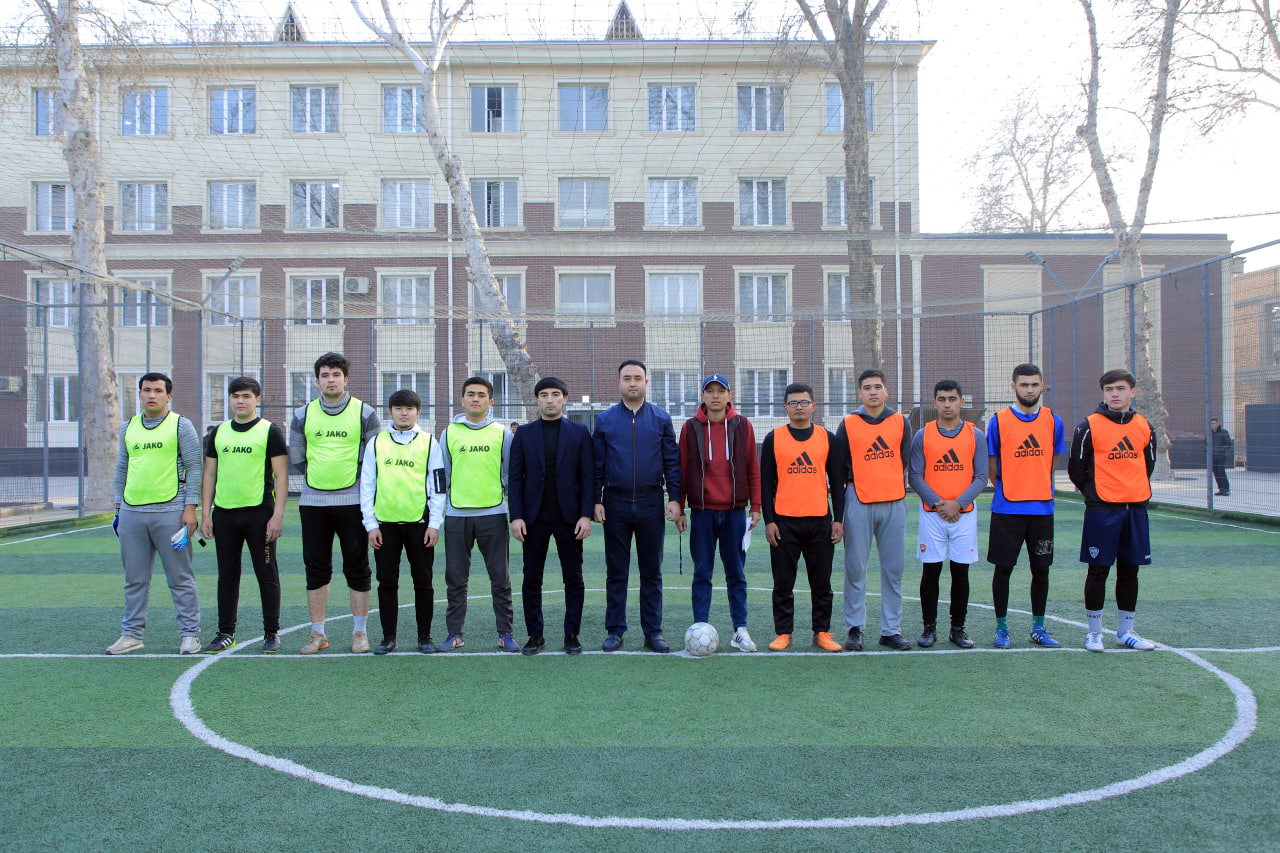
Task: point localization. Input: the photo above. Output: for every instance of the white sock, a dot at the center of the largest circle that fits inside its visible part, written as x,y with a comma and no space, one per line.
1126,622
317,628
1095,621
361,623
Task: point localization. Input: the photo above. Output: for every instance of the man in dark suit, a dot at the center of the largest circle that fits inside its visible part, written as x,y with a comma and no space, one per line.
550,489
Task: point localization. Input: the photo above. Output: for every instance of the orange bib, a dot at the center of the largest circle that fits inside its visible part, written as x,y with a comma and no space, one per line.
876,451
802,473
1026,455
1119,459
948,462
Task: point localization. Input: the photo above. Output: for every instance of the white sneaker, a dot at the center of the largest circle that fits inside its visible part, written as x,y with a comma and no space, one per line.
190,645
742,641
127,643
1133,641
1093,641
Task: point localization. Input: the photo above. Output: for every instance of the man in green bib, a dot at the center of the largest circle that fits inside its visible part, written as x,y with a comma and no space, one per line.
477,450
326,443
246,466
157,486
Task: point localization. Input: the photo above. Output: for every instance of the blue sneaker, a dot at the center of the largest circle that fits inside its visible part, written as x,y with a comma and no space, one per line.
1002,639
1041,637
451,642
506,642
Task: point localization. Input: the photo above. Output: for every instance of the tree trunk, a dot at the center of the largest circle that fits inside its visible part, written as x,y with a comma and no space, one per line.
1149,400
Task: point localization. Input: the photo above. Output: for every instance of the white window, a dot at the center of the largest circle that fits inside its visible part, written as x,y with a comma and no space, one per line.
55,207
314,109
759,392
760,108
144,207
762,202
234,299
584,107
419,383
502,393
406,300
673,201
676,391
497,203
58,399
233,205
835,108
671,107
48,120
584,202
315,204
406,204
145,307
512,287
315,301
842,393
586,294
494,109
60,297
674,296
836,207
838,296
402,110
127,385
302,388
145,112
233,111
762,298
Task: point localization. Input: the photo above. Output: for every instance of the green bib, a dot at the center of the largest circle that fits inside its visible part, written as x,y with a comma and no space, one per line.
475,479
401,492
153,461
333,446
242,461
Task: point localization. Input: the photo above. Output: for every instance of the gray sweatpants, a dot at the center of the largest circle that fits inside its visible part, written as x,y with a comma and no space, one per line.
887,524
489,532
142,536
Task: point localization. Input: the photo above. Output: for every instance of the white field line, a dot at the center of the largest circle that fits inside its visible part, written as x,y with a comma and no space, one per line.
59,533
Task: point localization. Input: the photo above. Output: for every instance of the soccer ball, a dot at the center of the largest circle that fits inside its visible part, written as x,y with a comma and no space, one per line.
701,639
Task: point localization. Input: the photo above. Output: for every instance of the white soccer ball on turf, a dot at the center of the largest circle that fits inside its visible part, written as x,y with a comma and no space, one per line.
701,640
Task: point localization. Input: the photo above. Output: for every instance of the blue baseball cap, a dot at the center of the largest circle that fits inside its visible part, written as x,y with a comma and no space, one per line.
716,377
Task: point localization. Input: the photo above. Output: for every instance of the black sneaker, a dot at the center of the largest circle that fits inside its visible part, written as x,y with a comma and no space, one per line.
426,646
928,636
853,643
960,638
387,646
220,643
895,642
535,645
571,645
271,643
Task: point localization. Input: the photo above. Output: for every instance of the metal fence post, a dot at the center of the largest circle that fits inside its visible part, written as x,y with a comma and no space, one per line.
44,395
80,458
1208,390
1075,361
1133,331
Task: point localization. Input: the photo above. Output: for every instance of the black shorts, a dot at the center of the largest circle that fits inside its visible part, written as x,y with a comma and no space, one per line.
1115,534
319,526
1009,532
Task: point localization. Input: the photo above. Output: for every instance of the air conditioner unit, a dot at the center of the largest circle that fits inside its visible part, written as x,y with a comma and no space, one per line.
355,285
10,384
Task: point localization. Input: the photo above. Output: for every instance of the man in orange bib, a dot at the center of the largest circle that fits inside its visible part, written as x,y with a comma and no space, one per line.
1113,454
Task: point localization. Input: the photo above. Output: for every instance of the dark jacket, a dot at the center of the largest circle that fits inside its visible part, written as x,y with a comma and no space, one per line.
1080,464
1223,448
635,455
744,466
575,472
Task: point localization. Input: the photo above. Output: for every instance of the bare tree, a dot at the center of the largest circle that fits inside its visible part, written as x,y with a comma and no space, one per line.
845,47
1236,45
521,369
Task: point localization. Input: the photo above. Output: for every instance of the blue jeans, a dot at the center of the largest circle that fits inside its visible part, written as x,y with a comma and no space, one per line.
725,528
646,521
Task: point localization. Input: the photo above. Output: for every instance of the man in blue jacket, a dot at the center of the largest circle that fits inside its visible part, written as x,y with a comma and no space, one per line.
635,456
550,493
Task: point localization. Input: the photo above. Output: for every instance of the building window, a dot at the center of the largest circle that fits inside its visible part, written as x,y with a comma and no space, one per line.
233,111
233,205
127,385
48,117
419,383
676,391
302,388
760,108
1275,334
671,107
145,112
315,204
55,207
842,393
512,287
674,296
406,300
762,202
586,295
315,301
759,392
835,108
402,110
838,296
502,394
584,108
144,207
673,201
406,204
57,299
314,109
497,203
58,399
762,298
145,307
836,208
494,109
234,299
584,202
219,390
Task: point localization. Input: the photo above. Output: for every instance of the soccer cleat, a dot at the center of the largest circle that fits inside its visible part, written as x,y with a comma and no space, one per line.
127,643
1041,637
928,636
895,642
783,641
451,642
826,642
507,643
1002,640
317,642
1093,641
271,643
854,641
190,645
742,640
220,643
960,638
359,643
1133,641
386,647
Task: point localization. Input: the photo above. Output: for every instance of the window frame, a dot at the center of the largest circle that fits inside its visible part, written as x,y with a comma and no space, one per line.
772,313
833,110
835,185
68,202
687,380
246,105
420,314
325,316
308,187
427,206
771,186
747,399
761,96
504,185
489,122
248,306
249,205
589,189
49,314
504,277
396,124
157,111
664,185
325,109
567,318
130,218
152,311
52,125
581,118
665,312
658,97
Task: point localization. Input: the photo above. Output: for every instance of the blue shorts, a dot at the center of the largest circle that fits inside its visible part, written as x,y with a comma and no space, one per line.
1111,534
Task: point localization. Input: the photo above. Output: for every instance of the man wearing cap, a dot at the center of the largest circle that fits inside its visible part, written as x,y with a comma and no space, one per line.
721,475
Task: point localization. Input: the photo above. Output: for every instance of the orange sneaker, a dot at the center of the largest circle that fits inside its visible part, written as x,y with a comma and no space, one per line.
782,641
823,640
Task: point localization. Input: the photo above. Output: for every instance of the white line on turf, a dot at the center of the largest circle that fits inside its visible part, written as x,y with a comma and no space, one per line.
59,533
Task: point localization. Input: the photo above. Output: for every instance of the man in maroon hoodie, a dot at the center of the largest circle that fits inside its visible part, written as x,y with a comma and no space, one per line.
720,468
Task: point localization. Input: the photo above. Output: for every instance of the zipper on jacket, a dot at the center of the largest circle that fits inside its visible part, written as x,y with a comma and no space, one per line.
633,455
